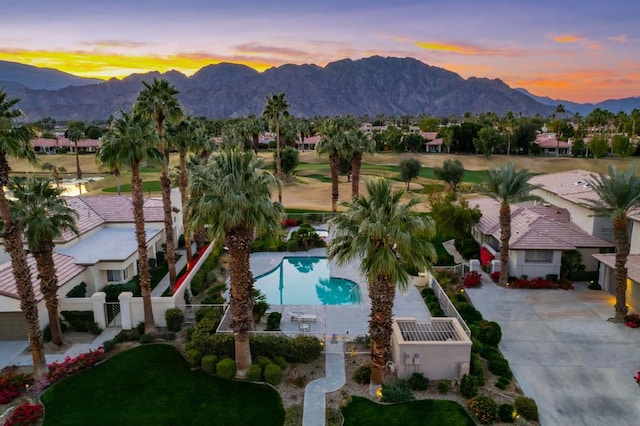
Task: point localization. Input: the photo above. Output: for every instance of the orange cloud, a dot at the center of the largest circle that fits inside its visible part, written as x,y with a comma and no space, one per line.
619,38
253,48
567,38
466,49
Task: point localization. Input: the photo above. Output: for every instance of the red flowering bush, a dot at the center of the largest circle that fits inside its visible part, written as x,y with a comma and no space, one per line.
25,414
485,256
472,279
632,320
58,371
495,276
288,223
535,283
12,384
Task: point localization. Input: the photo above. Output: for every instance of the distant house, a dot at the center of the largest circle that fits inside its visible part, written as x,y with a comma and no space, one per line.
104,253
52,146
539,237
549,144
309,143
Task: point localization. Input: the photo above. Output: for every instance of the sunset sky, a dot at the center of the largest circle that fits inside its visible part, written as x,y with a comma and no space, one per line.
583,51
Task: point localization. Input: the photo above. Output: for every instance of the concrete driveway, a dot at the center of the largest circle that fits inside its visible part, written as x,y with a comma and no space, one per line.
10,349
564,353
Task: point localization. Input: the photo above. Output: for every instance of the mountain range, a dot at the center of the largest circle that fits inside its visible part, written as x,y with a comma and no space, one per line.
370,86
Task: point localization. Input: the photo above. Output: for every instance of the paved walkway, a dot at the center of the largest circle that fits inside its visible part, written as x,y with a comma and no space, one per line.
578,366
450,247
314,411
164,284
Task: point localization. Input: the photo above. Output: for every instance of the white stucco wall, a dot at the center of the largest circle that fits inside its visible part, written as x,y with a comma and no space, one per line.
518,266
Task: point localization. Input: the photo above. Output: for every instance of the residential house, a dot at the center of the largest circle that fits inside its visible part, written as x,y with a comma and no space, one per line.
539,237
549,144
571,190
104,252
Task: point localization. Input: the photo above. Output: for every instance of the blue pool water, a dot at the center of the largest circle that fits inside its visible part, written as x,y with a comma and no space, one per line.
306,281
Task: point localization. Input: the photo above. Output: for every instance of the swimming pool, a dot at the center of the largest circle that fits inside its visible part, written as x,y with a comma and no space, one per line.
306,281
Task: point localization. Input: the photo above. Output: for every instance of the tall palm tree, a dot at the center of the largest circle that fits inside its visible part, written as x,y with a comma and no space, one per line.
187,136
508,186
387,237
131,141
16,142
274,110
236,204
75,134
44,214
359,144
158,102
619,194
334,144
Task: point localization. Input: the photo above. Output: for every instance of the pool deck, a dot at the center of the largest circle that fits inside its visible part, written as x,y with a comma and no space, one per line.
341,321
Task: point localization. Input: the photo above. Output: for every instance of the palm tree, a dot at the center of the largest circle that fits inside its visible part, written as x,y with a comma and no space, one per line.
158,102
619,194
275,108
44,214
16,142
507,186
186,136
359,144
334,143
387,237
236,204
131,141
75,134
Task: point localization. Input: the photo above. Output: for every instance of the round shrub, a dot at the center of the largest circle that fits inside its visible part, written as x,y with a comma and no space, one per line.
362,375
208,363
307,348
527,408
468,386
273,374
254,373
174,318
444,387
489,332
500,367
469,313
484,409
397,391
418,382
226,368
194,357
280,362
262,361
505,413
477,370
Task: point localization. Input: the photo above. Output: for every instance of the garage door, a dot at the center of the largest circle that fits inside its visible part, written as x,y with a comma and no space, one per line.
12,326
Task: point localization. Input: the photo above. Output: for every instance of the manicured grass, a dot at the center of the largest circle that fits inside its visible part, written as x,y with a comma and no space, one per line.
153,186
321,178
153,385
361,411
470,176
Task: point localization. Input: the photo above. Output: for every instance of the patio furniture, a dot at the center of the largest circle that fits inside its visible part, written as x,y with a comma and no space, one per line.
304,327
302,317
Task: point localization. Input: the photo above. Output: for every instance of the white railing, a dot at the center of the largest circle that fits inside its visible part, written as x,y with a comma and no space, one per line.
445,303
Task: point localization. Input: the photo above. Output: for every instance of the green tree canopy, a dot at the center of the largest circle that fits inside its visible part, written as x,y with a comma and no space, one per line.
451,173
409,170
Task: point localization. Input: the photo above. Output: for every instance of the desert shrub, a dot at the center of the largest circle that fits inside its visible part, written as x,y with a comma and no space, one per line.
527,408
489,332
140,327
146,338
273,374
263,361
260,305
79,320
460,298
500,367
226,368
476,369
418,382
397,391
469,313
504,380
468,386
444,386
484,409
293,415
108,345
213,312
78,291
292,246
194,357
280,361
254,373
362,374
500,385
167,335
174,318
273,321
505,413
208,363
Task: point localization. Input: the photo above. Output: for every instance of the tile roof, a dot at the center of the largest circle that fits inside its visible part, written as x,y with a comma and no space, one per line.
66,269
633,264
541,228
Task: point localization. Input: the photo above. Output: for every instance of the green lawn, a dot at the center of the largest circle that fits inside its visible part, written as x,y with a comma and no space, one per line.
153,385
153,186
363,412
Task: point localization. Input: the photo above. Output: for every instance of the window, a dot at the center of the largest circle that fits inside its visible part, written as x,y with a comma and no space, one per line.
115,276
538,256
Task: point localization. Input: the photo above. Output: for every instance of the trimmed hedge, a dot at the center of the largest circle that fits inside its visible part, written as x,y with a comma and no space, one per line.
273,374
254,373
226,368
527,408
208,363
